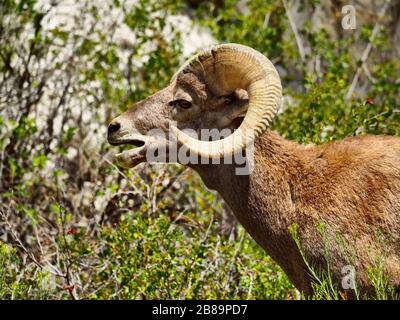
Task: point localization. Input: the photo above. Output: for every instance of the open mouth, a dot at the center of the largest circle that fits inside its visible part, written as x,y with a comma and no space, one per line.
133,156
133,142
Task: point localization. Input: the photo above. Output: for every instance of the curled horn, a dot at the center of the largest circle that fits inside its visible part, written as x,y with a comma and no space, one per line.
225,68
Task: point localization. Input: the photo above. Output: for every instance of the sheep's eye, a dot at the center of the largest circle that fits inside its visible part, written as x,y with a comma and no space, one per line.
230,98
184,104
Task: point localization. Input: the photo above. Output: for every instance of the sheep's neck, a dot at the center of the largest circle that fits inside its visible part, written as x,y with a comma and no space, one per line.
263,202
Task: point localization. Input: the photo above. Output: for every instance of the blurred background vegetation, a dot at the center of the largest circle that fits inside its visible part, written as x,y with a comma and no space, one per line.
75,226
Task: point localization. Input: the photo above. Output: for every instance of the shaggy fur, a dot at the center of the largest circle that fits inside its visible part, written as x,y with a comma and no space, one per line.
350,187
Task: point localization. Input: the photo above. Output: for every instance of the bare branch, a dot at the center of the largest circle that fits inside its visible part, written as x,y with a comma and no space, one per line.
295,32
367,50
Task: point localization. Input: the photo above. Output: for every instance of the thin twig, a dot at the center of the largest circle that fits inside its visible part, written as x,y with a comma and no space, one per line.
295,32
266,20
367,51
18,241
124,176
368,73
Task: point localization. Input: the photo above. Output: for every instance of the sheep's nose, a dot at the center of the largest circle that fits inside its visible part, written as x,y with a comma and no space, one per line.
113,127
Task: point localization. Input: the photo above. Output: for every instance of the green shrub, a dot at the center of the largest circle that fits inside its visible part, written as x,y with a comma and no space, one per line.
153,258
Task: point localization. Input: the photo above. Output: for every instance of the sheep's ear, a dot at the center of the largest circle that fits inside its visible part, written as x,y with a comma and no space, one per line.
241,94
237,108
233,113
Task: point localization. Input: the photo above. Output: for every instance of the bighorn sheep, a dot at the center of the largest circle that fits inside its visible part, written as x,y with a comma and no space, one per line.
352,187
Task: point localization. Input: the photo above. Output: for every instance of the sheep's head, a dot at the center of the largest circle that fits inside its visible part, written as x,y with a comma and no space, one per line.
229,86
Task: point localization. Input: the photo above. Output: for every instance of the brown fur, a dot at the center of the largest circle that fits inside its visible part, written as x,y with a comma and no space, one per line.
350,186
